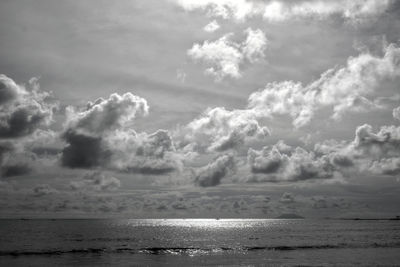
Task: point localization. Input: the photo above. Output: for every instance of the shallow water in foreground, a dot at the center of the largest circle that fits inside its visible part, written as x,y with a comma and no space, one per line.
188,242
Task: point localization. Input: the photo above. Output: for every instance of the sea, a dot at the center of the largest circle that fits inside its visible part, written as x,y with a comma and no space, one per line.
199,242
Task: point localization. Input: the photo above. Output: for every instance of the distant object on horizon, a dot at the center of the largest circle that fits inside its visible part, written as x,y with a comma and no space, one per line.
290,216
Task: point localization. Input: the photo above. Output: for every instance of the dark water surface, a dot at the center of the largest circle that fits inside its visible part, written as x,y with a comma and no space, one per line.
189,242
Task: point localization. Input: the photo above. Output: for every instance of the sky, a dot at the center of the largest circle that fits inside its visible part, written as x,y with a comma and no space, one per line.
190,109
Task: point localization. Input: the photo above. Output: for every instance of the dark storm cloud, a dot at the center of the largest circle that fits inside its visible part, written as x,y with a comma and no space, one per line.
83,151
22,111
214,172
18,169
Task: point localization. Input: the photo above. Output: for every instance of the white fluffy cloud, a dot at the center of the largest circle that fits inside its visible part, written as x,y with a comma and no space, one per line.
219,129
369,152
107,114
212,26
239,9
292,165
225,56
143,153
350,88
354,11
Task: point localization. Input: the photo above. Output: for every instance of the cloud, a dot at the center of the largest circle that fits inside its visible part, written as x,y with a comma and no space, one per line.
369,152
43,190
354,11
295,165
16,169
396,113
254,46
387,166
239,9
86,130
83,151
181,75
106,114
219,129
345,89
144,153
23,111
96,181
212,26
287,198
225,56
102,136
214,172
276,11
384,143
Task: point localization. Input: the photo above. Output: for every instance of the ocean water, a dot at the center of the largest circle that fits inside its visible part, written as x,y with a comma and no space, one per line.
199,242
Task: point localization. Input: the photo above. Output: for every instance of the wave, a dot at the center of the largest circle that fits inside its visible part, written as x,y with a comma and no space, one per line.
192,250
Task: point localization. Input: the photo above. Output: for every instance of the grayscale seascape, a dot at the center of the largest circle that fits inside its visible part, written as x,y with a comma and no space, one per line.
201,116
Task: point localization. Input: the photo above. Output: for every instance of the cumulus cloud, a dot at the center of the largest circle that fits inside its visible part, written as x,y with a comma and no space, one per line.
86,130
219,129
96,181
347,89
23,111
212,26
225,56
386,142
102,136
106,114
214,172
254,46
292,165
144,153
369,152
354,11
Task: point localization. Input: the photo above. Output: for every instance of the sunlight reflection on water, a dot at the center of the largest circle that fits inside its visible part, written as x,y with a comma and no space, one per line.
208,223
